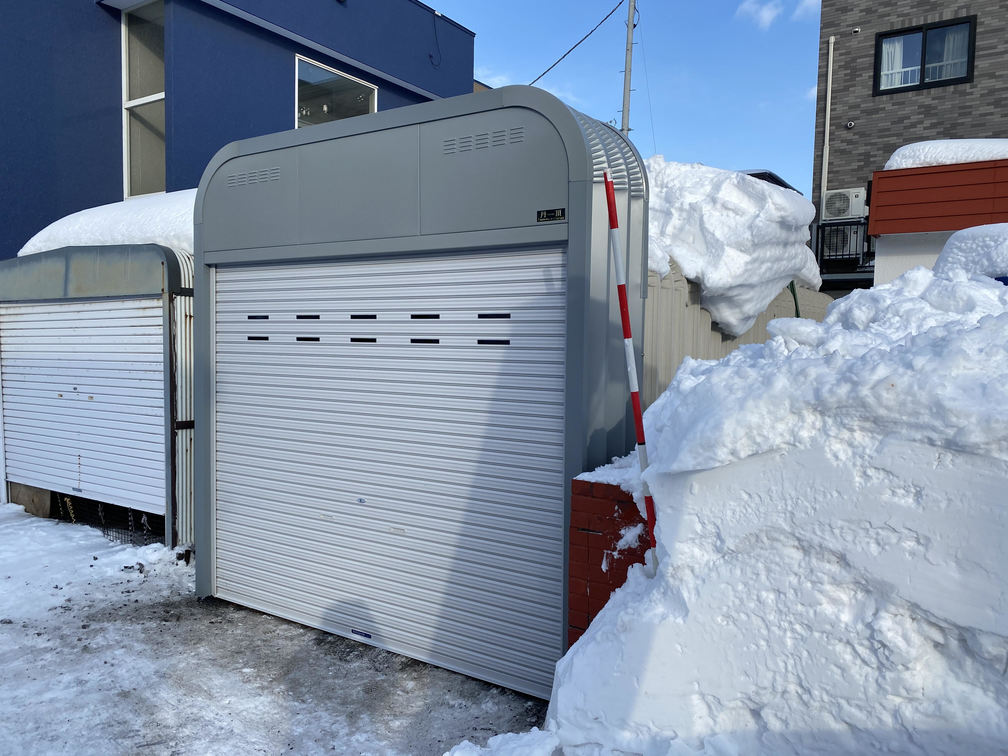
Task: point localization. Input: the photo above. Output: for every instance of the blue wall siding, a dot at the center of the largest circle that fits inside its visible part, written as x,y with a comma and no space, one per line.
61,120
401,37
228,79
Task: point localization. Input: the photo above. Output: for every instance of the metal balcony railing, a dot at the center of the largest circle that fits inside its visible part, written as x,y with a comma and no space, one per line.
844,247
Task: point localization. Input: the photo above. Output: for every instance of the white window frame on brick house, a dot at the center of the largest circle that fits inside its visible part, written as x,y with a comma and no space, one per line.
915,76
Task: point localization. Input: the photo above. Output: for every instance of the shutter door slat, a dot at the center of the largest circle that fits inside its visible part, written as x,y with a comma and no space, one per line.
408,485
83,399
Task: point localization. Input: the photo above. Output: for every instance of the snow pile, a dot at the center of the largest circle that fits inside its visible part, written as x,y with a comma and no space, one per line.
947,152
741,239
831,523
165,219
981,249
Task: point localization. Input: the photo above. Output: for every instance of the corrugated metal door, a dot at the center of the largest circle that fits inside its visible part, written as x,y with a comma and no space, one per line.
389,455
83,399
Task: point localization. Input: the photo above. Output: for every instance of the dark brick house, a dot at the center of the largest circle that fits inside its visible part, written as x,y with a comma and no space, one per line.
898,72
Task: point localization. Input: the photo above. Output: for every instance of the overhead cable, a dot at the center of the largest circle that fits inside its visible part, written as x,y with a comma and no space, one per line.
577,43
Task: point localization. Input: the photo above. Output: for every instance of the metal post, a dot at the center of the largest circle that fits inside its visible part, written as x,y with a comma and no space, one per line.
4,497
631,363
625,128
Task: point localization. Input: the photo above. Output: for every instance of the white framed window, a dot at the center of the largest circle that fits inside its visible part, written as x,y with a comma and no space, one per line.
143,95
324,94
932,55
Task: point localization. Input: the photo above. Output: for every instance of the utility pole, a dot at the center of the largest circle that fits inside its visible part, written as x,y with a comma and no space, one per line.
625,128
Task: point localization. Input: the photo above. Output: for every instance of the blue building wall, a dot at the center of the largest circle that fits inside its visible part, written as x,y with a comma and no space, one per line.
401,37
226,78
60,117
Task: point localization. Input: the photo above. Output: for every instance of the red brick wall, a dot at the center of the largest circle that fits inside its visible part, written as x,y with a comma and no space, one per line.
599,512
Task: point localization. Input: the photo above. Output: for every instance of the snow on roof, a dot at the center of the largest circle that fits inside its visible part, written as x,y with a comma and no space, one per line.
165,219
947,152
741,239
814,586
980,250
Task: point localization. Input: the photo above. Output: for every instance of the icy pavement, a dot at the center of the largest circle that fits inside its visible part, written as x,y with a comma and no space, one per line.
105,649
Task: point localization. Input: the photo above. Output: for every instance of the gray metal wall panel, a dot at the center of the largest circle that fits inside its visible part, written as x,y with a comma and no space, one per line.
349,195
246,187
113,271
490,170
413,492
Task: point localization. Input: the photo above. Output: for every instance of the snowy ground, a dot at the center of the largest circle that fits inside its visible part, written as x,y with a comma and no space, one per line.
101,655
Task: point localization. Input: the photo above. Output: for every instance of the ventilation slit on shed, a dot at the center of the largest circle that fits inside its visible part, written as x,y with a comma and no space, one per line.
258,338
307,317
363,340
499,138
516,134
494,342
494,316
307,338
359,316
425,316
258,317
425,341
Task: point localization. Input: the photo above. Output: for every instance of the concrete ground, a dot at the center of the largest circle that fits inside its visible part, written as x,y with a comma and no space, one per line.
105,649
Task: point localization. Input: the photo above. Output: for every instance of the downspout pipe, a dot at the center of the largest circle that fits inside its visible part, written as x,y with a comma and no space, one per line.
826,130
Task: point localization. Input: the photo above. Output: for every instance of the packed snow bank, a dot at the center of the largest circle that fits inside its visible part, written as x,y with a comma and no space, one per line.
741,239
807,605
923,357
947,152
981,249
831,519
165,219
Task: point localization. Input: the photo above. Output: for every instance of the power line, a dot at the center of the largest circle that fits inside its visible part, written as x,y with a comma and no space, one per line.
647,83
577,43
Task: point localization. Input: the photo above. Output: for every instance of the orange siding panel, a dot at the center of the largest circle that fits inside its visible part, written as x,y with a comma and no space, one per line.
939,198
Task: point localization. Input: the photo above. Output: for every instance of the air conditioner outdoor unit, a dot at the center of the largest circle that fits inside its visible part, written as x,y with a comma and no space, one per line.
844,203
841,242
846,246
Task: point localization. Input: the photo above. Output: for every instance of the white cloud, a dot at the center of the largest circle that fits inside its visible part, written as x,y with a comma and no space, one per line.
812,92
762,13
806,8
563,93
492,78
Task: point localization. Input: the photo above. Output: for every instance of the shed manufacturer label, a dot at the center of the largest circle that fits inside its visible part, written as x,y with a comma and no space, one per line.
556,214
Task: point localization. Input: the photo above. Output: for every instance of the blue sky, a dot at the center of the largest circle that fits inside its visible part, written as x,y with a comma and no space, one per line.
728,83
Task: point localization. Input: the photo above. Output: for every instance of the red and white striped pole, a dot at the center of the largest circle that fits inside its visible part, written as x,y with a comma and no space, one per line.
631,363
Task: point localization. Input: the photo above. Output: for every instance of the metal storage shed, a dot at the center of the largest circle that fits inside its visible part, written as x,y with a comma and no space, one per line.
95,377
409,343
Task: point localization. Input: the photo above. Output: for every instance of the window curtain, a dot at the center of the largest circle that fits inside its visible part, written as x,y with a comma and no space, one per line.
891,74
954,58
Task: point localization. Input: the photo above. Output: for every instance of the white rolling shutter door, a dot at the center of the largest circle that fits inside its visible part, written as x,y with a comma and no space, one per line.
389,455
83,399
